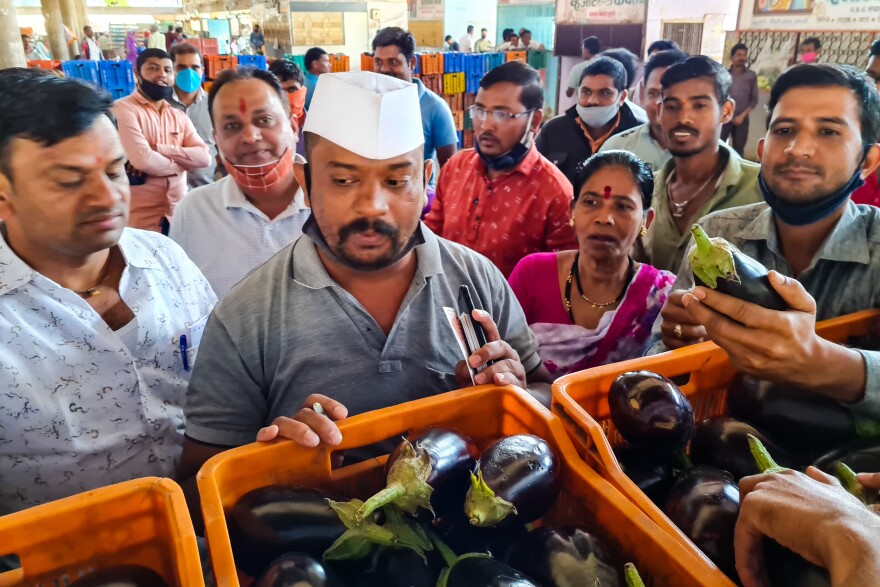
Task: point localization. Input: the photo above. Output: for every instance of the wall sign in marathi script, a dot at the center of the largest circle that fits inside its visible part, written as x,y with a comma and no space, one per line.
600,11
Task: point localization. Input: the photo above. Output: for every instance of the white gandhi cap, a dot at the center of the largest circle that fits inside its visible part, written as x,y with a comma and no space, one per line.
370,114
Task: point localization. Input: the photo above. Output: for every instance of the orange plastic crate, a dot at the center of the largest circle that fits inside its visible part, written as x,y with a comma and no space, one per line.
581,401
367,62
485,413
142,522
210,47
217,63
339,63
44,64
516,56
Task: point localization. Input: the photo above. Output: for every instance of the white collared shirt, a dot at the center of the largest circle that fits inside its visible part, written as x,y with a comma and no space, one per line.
227,236
78,409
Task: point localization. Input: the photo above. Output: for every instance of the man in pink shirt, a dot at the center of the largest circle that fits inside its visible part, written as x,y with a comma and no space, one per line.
161,143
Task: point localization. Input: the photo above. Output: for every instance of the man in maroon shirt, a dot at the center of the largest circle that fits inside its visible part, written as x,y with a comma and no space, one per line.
503,198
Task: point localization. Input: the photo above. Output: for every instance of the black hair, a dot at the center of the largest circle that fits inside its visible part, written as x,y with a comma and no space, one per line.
526,77
484,30
45,108
627,59
739,47
397,37
640,171
524,32
150,54
592,44
286,70
178,29
875,48
312,55
699,66
663,59
505,34
470,28
170,28
824,75
663,45
813,41
606,66
185,49
241,74
447,37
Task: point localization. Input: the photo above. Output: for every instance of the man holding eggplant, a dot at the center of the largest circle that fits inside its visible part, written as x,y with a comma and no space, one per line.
823,251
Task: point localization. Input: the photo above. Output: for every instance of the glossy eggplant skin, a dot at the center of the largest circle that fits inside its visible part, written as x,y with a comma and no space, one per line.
463,537
787,569
298,570
650,412
524,470
653,474
122,576
704,504
486,572
798,420
402,567
560,557
453,457
270,521
721,441
862,456
754,284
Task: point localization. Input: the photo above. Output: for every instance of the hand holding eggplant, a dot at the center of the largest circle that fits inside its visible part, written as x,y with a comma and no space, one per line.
507,368
678,327
308,427
813,516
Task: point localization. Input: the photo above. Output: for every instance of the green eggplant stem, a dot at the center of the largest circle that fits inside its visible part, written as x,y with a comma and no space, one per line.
683,461
444,575
849,481
711,258
701,239
407,486
358,542
482,507
384,497
631,574
762,457
443,549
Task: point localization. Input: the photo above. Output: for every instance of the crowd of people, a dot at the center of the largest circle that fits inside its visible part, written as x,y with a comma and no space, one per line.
316,270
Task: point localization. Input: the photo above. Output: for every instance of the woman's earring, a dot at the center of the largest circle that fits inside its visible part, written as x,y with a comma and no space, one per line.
571,222
644,230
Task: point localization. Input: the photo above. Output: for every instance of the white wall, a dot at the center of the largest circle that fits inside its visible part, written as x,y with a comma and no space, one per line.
458,14
717,16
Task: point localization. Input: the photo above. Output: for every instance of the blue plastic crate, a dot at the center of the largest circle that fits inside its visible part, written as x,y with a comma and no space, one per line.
418,68
84,70
116,75
453,62
120,93
258,61
460,138
472,84
493,60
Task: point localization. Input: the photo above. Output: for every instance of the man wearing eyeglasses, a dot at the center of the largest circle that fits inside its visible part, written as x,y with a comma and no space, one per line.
503,198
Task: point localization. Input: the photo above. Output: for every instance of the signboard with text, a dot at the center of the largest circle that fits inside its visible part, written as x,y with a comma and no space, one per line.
819,15
600,11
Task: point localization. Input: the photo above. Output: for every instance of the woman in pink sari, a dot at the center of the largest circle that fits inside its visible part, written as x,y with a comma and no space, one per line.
131,48
596,305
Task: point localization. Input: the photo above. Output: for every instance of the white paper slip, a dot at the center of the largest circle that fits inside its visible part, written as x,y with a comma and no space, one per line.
455,324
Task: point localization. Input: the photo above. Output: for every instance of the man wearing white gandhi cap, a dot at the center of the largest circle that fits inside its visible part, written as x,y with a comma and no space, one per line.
350,316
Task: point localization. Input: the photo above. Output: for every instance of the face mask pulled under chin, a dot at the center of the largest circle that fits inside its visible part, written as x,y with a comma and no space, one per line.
156,92
812,212
257,180
513,157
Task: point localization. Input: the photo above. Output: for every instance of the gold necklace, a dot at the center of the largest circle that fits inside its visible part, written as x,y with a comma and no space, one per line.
678,209
577,278
94,291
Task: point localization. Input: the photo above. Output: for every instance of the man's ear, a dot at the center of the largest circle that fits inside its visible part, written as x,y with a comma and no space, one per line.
623,96
5,196
303,178
872,161
727,110
760,149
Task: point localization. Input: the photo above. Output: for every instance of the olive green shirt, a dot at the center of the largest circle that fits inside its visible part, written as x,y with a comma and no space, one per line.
664,247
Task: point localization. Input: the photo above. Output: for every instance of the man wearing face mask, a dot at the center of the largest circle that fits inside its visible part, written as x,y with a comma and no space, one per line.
230,227
601,112
293,82
161,143
823,251
190,98
503,198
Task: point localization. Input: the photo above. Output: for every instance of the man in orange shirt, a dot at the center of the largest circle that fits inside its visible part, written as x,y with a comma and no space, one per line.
502,198
161,143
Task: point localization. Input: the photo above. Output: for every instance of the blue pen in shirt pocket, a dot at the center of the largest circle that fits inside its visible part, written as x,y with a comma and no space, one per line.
183,350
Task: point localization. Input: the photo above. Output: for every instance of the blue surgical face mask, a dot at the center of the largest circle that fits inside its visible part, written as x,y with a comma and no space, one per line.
187,81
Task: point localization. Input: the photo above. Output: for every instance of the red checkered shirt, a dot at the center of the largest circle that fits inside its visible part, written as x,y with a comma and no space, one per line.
516,214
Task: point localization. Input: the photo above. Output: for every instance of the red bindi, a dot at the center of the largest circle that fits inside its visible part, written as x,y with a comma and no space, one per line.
607,192
242,106
99,161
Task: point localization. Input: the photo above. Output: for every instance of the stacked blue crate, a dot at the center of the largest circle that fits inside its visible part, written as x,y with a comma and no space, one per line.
494,60
258,61
418,68
84,70
475,69
453,62
460,138
117,77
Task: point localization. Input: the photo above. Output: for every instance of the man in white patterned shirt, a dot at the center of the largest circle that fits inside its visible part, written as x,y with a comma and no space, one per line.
92,379
235,225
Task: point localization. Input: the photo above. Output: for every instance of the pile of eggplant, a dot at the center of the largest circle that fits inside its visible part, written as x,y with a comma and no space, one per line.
118,576
698,489
448,516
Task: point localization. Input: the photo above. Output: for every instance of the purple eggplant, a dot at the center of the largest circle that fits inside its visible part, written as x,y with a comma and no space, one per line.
478,570
429,470
799,420
462,537
650,412
271,521
862,456
653,474
719,265
121,576
400,567
704,504
565,557
787,569
518,478
723,442
298,570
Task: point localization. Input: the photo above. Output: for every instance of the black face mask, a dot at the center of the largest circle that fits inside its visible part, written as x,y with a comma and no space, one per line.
155,92
804,214
512,158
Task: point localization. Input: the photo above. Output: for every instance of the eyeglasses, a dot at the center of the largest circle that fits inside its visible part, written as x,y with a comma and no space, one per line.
498,116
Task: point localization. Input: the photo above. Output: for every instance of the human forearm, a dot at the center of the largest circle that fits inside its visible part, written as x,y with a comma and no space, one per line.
841,374
855,552
195,157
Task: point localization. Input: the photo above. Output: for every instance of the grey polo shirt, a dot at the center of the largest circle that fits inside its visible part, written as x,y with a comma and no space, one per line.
843,278
640,143
288,330
201,119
